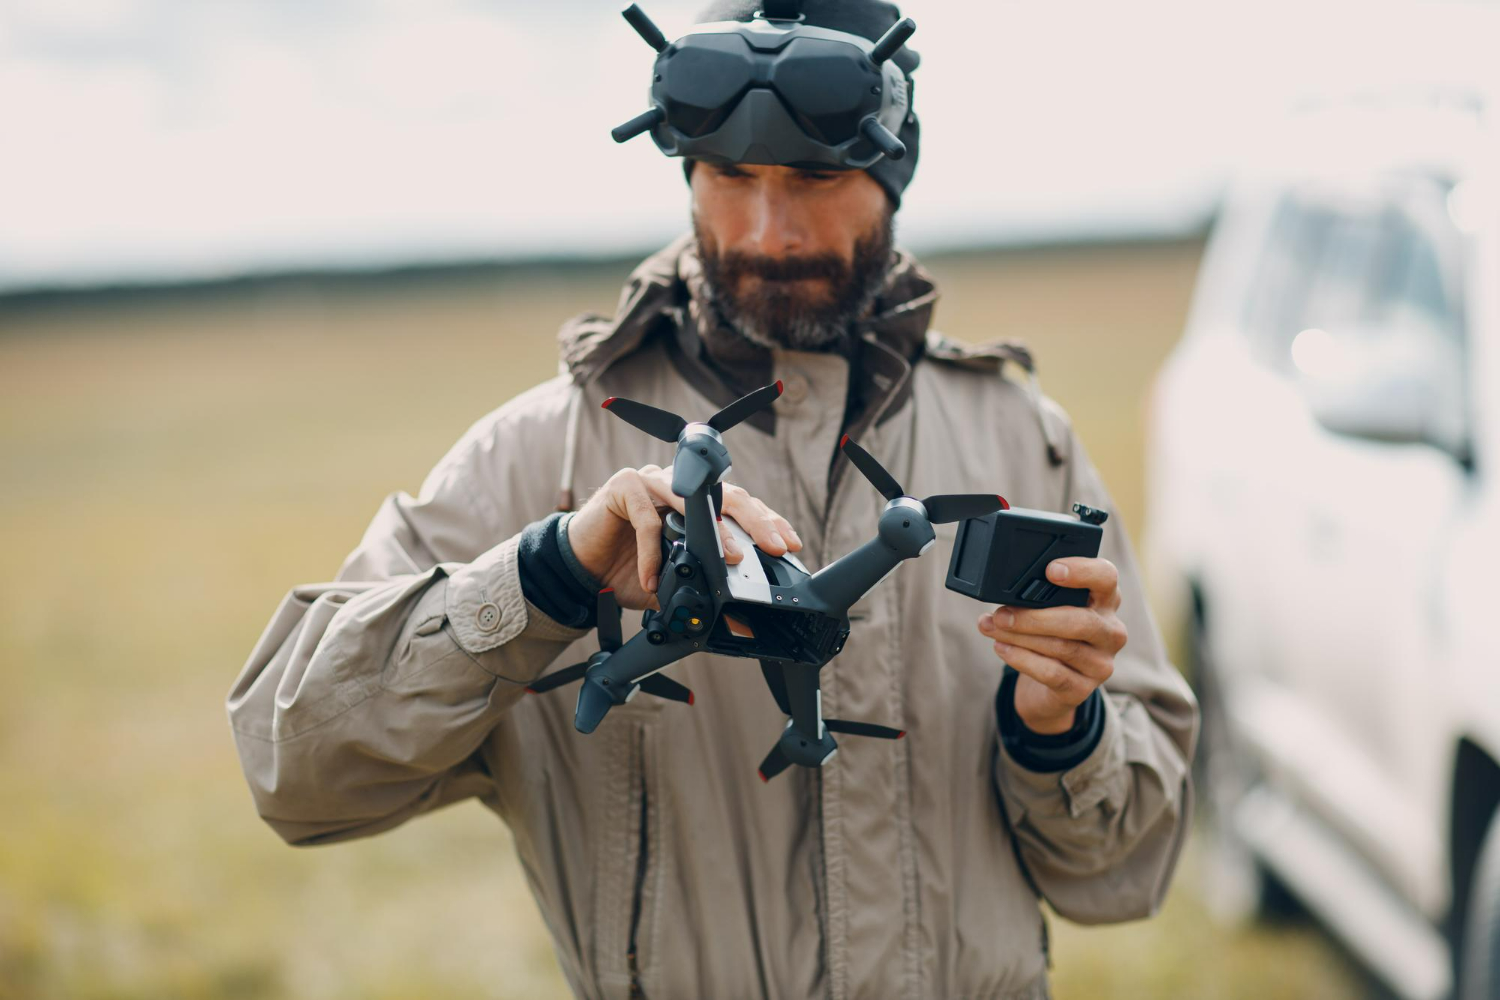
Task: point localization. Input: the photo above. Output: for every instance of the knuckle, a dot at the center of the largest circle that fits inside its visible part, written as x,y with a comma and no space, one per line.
1060,678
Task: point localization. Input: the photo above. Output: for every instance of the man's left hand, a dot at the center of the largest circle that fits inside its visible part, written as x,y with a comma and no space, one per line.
1062,653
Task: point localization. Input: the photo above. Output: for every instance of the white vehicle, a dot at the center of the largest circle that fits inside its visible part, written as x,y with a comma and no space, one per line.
1324,524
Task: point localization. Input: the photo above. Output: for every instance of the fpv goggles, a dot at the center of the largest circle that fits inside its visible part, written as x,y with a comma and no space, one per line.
775,90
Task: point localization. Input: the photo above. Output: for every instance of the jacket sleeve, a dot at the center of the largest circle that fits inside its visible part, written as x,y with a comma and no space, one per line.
366,699
1101,839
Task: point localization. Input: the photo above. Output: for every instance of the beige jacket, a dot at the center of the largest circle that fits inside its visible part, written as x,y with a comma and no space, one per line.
905,869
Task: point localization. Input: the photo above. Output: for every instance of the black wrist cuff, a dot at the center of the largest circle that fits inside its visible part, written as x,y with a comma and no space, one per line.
548,581
1047,751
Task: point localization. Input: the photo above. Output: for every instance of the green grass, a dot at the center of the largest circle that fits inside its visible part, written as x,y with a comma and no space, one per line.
172,467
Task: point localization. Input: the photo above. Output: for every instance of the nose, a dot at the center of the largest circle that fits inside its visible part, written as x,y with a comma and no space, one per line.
776,227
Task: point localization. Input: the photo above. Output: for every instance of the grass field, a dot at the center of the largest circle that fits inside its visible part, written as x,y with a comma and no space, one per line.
173,466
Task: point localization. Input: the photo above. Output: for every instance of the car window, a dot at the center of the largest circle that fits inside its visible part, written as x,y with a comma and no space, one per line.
1277,297
1347,269
1346,275
1420,285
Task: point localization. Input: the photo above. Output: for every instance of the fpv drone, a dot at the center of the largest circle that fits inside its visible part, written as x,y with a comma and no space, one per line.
768,608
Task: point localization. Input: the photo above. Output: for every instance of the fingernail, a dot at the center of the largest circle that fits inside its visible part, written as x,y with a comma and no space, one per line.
1005,619
1002,648
1059,571
777,541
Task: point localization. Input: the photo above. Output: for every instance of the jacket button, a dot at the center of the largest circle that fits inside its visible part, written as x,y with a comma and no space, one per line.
487,617
794,388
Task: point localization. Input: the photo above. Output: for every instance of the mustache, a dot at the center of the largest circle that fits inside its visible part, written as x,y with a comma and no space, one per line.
734,264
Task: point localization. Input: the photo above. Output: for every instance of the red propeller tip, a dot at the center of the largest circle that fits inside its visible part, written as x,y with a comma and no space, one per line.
778,387
692,697
762,775
607,590
531,690
608,401
901,735
843,441
1003,504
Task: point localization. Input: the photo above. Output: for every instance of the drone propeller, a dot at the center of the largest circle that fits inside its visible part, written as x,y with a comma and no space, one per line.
774,764
872,470
744,407
658,423
948,507
665,687
863,729
777,761
942,508
669,426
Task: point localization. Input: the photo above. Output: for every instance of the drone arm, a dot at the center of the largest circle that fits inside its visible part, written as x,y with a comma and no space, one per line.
844,581
802,697
703,540
605,681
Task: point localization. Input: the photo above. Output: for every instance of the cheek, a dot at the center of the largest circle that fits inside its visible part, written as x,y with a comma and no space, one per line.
839,218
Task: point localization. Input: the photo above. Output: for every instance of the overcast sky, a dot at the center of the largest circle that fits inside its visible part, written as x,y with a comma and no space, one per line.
149,139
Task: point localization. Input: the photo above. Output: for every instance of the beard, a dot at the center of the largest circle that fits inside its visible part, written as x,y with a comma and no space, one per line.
804,302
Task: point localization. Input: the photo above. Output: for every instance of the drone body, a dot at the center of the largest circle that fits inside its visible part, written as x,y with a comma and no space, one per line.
767,608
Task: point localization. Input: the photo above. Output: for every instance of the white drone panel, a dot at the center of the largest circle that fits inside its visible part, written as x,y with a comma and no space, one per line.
747,579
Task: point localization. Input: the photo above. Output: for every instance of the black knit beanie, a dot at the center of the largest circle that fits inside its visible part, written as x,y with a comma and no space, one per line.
869,19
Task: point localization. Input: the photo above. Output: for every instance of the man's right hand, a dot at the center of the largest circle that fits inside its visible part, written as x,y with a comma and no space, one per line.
616,536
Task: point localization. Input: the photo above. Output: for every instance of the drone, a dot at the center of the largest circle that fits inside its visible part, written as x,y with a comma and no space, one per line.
768,608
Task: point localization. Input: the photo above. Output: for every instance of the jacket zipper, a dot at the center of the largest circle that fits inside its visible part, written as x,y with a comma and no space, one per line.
636,903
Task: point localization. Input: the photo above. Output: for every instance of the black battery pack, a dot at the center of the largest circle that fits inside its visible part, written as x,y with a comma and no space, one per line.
1002,558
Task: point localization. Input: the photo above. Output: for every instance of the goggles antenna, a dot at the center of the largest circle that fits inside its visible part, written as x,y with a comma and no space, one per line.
894,37
645,27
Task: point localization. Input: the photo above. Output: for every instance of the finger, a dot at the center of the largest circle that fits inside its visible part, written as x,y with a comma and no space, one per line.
733,554
755,517
1090,625
659,482
640,507
782,525
1100,577
1091,661
1068,684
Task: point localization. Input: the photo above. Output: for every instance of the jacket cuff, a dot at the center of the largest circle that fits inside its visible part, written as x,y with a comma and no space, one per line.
1102,776
1047,751
488,612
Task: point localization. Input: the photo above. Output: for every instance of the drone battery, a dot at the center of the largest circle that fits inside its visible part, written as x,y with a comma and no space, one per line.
1002,558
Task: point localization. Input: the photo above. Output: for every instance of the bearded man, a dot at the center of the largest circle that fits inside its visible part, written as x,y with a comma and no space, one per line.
1047,749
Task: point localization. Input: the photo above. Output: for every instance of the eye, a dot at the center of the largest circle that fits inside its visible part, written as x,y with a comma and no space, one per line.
818,177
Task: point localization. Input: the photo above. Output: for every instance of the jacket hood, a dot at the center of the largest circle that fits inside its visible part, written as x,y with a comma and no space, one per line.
664,294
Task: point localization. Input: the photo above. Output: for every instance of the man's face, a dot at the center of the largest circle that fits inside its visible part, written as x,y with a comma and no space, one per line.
791,256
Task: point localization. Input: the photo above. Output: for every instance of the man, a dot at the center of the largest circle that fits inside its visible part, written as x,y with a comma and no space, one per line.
1047,749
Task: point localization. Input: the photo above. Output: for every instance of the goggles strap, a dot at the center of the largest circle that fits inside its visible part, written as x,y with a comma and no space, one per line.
781,10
